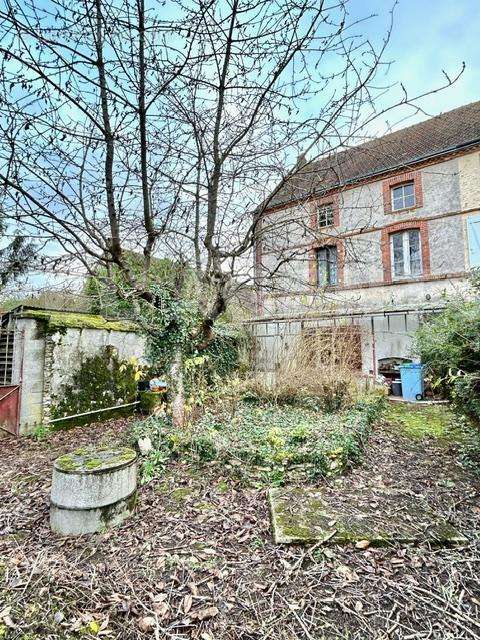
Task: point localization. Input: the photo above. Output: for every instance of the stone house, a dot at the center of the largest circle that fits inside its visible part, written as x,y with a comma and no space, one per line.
371,238
40,349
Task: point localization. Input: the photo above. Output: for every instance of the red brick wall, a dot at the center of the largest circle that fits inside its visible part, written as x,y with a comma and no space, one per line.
395,181
422,225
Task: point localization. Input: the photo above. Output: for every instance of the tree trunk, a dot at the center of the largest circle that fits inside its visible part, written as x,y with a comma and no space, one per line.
178,391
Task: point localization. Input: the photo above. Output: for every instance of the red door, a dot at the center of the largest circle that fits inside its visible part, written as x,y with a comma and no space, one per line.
9,408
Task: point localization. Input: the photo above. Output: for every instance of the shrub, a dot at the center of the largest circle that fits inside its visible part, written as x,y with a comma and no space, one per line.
318,371
465,394
448,343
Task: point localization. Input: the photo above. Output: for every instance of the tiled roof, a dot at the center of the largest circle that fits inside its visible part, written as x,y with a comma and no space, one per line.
401,149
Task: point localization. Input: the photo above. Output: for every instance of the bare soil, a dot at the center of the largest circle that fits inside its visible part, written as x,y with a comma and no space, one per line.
197,560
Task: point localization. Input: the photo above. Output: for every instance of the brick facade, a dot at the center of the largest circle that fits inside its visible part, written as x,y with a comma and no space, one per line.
362,235
396,181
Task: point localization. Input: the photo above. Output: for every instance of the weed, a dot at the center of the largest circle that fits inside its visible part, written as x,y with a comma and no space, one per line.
41,432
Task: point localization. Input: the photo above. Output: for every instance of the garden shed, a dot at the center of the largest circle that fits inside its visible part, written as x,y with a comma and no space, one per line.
41,351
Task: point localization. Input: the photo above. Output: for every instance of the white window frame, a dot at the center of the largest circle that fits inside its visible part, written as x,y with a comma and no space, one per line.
395,187
407,267
322,208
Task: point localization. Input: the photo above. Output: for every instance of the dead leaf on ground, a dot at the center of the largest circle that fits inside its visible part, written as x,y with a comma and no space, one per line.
206,613
187,603
362,544
147,624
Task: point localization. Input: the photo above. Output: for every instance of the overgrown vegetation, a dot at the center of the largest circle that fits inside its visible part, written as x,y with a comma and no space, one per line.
305,423
263,443
228,353
316,371
449,345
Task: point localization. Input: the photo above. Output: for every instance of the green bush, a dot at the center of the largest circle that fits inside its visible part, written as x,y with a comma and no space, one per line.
448,344
465,394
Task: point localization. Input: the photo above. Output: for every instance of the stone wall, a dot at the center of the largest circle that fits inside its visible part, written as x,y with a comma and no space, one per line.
28,370
49,361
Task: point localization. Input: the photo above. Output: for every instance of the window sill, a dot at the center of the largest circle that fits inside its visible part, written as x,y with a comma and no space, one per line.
406,210
407,279
328,287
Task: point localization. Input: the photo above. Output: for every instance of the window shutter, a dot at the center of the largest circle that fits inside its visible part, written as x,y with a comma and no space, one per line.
473,226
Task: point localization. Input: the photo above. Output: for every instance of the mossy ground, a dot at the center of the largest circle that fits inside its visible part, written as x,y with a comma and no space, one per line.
424,421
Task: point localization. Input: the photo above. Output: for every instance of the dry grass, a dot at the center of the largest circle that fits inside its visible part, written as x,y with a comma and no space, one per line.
322,365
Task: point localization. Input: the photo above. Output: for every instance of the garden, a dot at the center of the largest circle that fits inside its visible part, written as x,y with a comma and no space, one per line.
198,559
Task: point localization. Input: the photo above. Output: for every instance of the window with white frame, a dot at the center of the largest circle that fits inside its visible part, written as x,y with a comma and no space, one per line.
406,254
327,265
325,215
403,196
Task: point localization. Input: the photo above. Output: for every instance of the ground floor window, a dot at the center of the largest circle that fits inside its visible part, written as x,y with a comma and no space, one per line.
327,265
406,253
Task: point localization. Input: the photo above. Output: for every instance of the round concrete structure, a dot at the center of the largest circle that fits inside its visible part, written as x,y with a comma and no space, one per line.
92,489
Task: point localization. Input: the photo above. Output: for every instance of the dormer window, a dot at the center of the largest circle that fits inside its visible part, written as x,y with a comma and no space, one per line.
325,215
403,196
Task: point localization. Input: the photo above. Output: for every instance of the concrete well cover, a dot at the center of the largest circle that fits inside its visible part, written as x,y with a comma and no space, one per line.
309,515
92,489
91,478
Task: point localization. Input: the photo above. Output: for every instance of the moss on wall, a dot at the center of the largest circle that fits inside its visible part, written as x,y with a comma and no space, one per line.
101,381
62,320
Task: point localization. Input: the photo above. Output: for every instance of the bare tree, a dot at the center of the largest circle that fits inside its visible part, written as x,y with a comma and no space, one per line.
131,128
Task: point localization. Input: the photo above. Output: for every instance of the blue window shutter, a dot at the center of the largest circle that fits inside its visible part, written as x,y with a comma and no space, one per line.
473,226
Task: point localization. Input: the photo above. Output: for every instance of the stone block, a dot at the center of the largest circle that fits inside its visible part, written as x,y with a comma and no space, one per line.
309,515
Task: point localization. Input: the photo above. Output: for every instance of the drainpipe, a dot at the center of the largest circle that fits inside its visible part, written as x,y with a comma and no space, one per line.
374,354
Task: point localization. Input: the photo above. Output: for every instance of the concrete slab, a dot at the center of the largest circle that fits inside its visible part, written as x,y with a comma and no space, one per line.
309,515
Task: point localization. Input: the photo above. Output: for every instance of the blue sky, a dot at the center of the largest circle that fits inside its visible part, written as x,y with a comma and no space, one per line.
429,36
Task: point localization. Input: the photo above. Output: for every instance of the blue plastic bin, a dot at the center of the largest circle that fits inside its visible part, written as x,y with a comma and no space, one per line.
412,381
